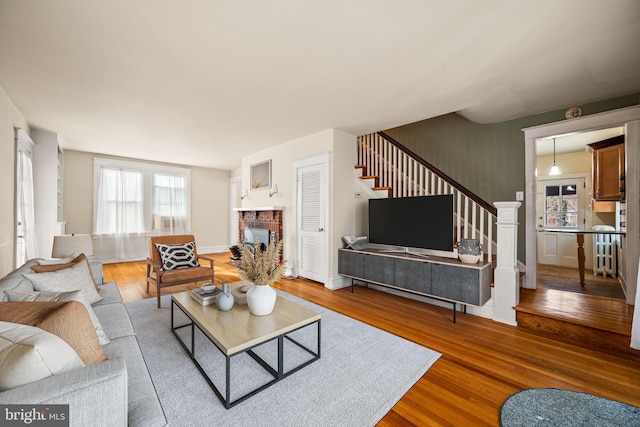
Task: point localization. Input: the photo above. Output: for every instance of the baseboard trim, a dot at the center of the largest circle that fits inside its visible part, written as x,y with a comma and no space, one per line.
201,250
337,283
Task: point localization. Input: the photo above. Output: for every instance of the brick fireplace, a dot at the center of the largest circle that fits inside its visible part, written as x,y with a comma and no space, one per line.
269,218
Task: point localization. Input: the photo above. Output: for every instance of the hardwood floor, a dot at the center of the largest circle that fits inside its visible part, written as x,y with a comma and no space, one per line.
596,312
483,362
568,279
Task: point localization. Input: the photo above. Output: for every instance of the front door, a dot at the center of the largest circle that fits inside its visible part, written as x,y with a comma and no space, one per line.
561,205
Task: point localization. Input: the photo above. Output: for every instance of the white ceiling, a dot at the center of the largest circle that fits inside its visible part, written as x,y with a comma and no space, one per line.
207,82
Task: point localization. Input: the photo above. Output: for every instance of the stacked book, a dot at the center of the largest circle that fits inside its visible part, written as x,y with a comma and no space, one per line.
205,297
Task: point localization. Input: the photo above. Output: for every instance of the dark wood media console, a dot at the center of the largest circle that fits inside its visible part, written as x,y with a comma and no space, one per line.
443,279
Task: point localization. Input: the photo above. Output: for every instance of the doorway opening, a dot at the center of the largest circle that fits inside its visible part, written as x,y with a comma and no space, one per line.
25,237
565,205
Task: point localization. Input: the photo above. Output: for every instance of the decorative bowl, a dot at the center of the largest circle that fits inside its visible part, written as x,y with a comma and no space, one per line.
469,259
208,287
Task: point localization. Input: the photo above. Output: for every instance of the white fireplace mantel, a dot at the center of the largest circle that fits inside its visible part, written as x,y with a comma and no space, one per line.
262,208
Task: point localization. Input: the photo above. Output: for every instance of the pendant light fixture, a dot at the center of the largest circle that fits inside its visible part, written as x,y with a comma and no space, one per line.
555,170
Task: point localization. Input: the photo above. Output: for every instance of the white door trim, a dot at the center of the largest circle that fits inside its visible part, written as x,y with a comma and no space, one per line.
24,143
234,203
323,160
630,118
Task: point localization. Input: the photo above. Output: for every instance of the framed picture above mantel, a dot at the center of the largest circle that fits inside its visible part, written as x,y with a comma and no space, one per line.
261,175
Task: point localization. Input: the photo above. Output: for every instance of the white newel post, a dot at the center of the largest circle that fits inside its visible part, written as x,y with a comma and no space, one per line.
506,291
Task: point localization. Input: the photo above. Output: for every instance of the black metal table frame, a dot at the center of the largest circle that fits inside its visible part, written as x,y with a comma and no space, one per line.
278,374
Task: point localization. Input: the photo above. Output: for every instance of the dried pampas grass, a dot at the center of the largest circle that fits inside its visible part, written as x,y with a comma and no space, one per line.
261,267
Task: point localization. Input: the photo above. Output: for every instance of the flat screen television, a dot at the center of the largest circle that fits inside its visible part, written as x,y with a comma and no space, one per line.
424,222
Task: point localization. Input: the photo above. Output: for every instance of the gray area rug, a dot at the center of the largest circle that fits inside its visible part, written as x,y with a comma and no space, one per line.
554,407
362,373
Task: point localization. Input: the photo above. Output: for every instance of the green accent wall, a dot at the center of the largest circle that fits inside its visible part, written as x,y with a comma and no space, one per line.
488,159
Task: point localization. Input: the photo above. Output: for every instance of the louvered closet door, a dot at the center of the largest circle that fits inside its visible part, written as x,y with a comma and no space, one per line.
311,182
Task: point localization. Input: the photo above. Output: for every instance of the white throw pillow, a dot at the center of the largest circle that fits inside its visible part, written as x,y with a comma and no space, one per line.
55,261
61,296
75,278
42,296
29,354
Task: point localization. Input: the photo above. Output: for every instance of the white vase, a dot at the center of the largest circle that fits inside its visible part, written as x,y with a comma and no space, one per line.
261,299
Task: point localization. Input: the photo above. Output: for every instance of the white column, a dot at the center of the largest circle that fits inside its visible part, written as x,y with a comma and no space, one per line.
506,291
531,231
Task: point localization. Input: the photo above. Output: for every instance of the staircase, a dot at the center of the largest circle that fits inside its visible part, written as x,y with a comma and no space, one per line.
397,172
376,181
394,171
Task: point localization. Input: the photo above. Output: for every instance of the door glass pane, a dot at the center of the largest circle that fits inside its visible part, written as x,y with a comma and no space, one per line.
561,206
553,220
570,220
552,190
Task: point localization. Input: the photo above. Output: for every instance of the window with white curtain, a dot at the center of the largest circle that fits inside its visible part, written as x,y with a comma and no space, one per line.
120,201
170,207
137,198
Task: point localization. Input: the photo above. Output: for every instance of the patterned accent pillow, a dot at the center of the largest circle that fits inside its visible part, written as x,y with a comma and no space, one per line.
178,256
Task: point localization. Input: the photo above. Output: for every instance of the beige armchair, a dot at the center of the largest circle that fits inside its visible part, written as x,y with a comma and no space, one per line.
162,277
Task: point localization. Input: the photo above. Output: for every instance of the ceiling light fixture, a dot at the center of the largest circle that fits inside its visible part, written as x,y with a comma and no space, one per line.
555,170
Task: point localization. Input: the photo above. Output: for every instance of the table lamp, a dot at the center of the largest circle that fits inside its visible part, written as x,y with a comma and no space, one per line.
72,245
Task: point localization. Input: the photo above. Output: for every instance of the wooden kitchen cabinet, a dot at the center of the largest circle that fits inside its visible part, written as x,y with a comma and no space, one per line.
608,169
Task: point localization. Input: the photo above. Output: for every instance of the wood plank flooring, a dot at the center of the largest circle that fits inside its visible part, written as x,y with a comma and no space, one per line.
483,362
603,313
568,279
595,313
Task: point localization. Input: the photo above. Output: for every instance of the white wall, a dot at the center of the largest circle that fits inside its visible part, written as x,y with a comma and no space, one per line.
342,216
77,191
209,200
45,190
344,219
210,212
10,117
575,162
282,158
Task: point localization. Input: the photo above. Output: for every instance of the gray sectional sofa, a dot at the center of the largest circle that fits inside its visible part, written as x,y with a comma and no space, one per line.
115,392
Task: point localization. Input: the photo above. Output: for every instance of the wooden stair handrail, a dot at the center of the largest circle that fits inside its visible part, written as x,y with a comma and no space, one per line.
462,189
